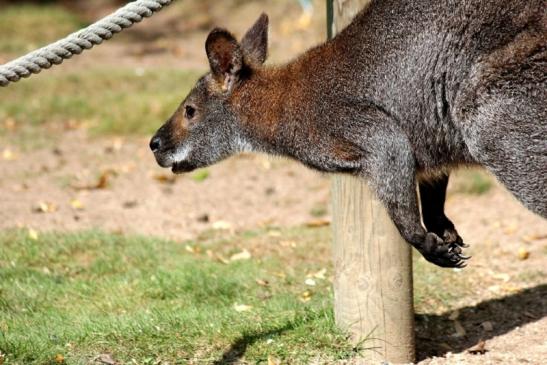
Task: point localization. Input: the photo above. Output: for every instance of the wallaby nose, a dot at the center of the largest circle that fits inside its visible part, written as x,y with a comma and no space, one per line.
155,143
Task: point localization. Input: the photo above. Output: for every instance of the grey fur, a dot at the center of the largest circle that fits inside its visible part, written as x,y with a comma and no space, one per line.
410,88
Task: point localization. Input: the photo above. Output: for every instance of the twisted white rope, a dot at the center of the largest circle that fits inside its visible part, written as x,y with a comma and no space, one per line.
79,41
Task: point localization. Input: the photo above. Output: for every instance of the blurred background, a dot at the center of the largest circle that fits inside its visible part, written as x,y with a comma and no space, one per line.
107,258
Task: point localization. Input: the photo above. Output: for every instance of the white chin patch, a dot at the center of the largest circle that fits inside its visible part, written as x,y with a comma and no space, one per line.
180,154
243,146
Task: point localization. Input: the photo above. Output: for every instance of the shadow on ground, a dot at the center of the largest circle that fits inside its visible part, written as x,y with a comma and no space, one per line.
435,333
237,350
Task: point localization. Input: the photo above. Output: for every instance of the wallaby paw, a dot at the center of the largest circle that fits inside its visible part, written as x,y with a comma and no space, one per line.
451,236
442,252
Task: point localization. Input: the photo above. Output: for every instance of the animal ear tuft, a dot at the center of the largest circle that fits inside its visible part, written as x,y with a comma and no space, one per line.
255,41
224,54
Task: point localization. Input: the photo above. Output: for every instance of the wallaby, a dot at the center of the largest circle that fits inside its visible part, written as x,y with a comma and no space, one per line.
409,90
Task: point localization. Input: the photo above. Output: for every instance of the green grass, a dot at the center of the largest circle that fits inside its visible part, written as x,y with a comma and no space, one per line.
107,101
26,27
81,295
84,294
472,181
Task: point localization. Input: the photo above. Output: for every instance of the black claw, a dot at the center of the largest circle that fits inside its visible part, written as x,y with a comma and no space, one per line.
443,253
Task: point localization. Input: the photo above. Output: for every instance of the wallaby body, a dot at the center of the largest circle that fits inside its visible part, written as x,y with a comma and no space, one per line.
407,91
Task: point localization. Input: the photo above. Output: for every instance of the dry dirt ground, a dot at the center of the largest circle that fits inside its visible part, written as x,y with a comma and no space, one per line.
114,184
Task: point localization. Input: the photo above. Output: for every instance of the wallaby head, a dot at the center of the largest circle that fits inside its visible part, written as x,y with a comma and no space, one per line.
205,129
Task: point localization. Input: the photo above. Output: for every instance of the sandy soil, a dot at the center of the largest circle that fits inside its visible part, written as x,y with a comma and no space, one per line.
114,184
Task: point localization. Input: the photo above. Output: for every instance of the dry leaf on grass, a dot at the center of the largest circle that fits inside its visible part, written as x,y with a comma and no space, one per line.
319,275
310,282
242,307
221,258
59,359
105,359
32,234
305,296
478,349
243,255
273,361
262,282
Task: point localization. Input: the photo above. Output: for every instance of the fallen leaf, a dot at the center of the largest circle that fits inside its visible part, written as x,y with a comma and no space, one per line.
478,349
502,276
317,223
460,331
59,359
190,249
273,361
262,282
105,359
8,155
274,234
320,274
533,237
523,253
32,234
222,258
487,326
243,255
510,288
222,225
454,315
305,296
242,307
45,207
165,179
310,282
102,182
76,204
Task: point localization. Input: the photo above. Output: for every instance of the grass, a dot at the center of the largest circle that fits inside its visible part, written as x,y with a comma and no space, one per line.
75,296
472,181
26,27
107,102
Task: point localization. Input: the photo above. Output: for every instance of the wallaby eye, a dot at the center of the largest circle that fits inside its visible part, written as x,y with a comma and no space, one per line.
189,112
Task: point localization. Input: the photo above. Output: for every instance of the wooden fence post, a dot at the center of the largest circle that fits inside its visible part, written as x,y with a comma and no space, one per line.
373,265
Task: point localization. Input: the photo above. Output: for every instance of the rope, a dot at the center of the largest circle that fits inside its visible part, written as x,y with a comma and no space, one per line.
76,43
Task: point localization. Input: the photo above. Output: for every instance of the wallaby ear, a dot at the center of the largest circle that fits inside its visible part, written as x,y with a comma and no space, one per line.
255,41
225,57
